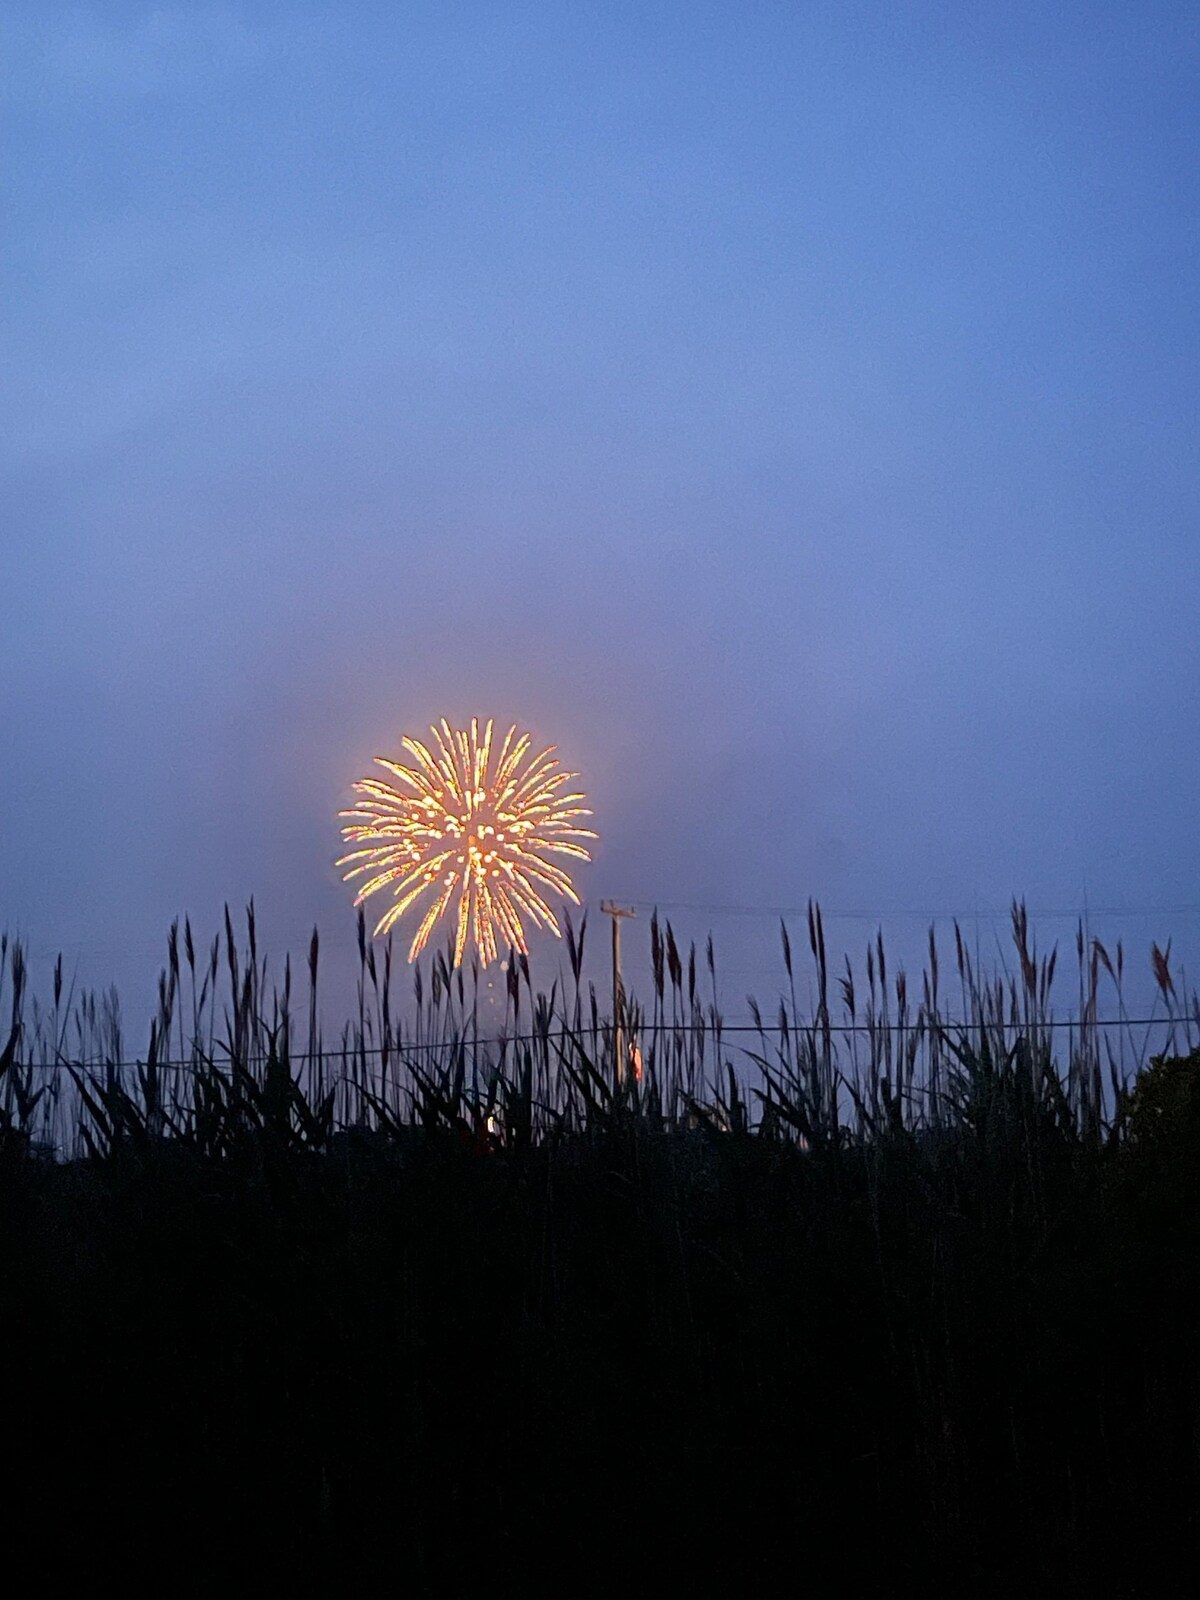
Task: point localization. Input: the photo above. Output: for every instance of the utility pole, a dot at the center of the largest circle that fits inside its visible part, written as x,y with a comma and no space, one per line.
610,908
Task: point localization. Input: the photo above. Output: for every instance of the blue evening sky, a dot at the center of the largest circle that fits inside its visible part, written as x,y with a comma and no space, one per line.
791,409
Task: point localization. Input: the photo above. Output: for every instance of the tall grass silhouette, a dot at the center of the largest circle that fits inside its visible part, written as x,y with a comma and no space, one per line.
896,1292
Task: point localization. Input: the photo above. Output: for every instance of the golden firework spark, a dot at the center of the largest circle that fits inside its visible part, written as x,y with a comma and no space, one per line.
463,831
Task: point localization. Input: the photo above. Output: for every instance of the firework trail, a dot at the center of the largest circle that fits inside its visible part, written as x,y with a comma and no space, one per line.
464,835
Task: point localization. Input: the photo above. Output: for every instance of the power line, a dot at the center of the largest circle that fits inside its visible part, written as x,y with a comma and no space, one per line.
80,951
399,1051
984,914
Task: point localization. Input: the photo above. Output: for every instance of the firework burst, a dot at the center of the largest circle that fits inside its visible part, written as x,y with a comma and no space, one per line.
468,836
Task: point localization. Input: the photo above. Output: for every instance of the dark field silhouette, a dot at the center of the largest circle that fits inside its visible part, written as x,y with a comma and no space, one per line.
427,1314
